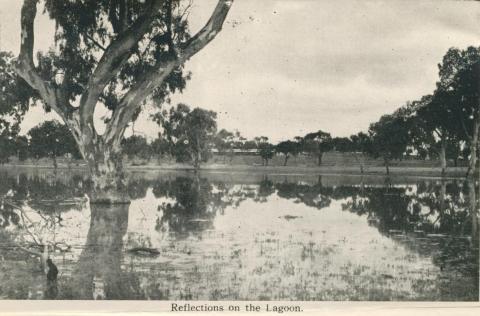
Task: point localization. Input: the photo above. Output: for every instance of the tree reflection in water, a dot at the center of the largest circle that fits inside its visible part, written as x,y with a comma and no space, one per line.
435,219
98,274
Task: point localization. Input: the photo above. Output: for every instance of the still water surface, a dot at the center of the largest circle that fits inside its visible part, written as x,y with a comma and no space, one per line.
240,237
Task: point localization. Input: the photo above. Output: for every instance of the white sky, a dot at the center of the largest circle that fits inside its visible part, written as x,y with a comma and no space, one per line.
282,68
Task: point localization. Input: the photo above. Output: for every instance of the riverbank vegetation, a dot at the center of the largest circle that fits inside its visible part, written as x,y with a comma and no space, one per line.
440,129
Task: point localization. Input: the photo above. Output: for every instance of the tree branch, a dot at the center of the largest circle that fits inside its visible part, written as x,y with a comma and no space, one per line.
112,61
25,67
96,43
133,99
208,32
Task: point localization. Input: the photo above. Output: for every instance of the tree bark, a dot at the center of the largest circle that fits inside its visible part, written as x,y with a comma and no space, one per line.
320,158
108,183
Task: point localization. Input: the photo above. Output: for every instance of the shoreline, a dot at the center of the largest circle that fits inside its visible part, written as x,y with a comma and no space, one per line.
429,172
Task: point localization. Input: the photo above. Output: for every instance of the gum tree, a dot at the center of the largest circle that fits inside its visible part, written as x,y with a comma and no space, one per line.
317,144
288,148
189,133
389,138
116,53
51,140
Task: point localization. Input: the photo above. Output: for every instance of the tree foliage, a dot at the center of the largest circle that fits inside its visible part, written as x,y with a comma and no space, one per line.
52,139
317,144
265,149
389,138
136,146
189,133
288,148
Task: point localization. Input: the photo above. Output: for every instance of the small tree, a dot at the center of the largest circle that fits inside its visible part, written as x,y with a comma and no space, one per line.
288,148
224,142
317,144
7,145
190,133
360,146
160,147
265,150
342,144
136,146
52,139
21,148
389,138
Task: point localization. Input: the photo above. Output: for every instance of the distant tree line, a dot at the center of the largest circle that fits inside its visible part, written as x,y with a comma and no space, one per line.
443,126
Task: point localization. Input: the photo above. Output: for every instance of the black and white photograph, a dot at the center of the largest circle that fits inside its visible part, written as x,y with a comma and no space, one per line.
239,150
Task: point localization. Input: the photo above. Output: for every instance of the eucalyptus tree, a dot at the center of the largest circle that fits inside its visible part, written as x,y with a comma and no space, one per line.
226,142
389,138
265,149
160,148
117,53
51,139
466,91
288,148
189,133
360,143
432,129
317,144
459,80
136,146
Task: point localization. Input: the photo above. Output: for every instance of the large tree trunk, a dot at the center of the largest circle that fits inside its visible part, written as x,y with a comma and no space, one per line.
320,158
106,172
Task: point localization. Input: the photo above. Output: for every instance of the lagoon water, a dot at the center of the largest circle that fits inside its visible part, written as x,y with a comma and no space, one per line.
217,236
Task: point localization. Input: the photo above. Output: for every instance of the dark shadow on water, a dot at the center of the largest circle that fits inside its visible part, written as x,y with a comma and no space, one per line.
98,272
52,287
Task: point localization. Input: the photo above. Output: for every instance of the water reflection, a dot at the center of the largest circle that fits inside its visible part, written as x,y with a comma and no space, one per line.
190,237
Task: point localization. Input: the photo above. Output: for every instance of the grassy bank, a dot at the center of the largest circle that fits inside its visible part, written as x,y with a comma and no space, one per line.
333,163
452,172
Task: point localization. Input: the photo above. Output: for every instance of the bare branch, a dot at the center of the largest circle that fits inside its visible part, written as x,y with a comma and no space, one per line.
186,11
